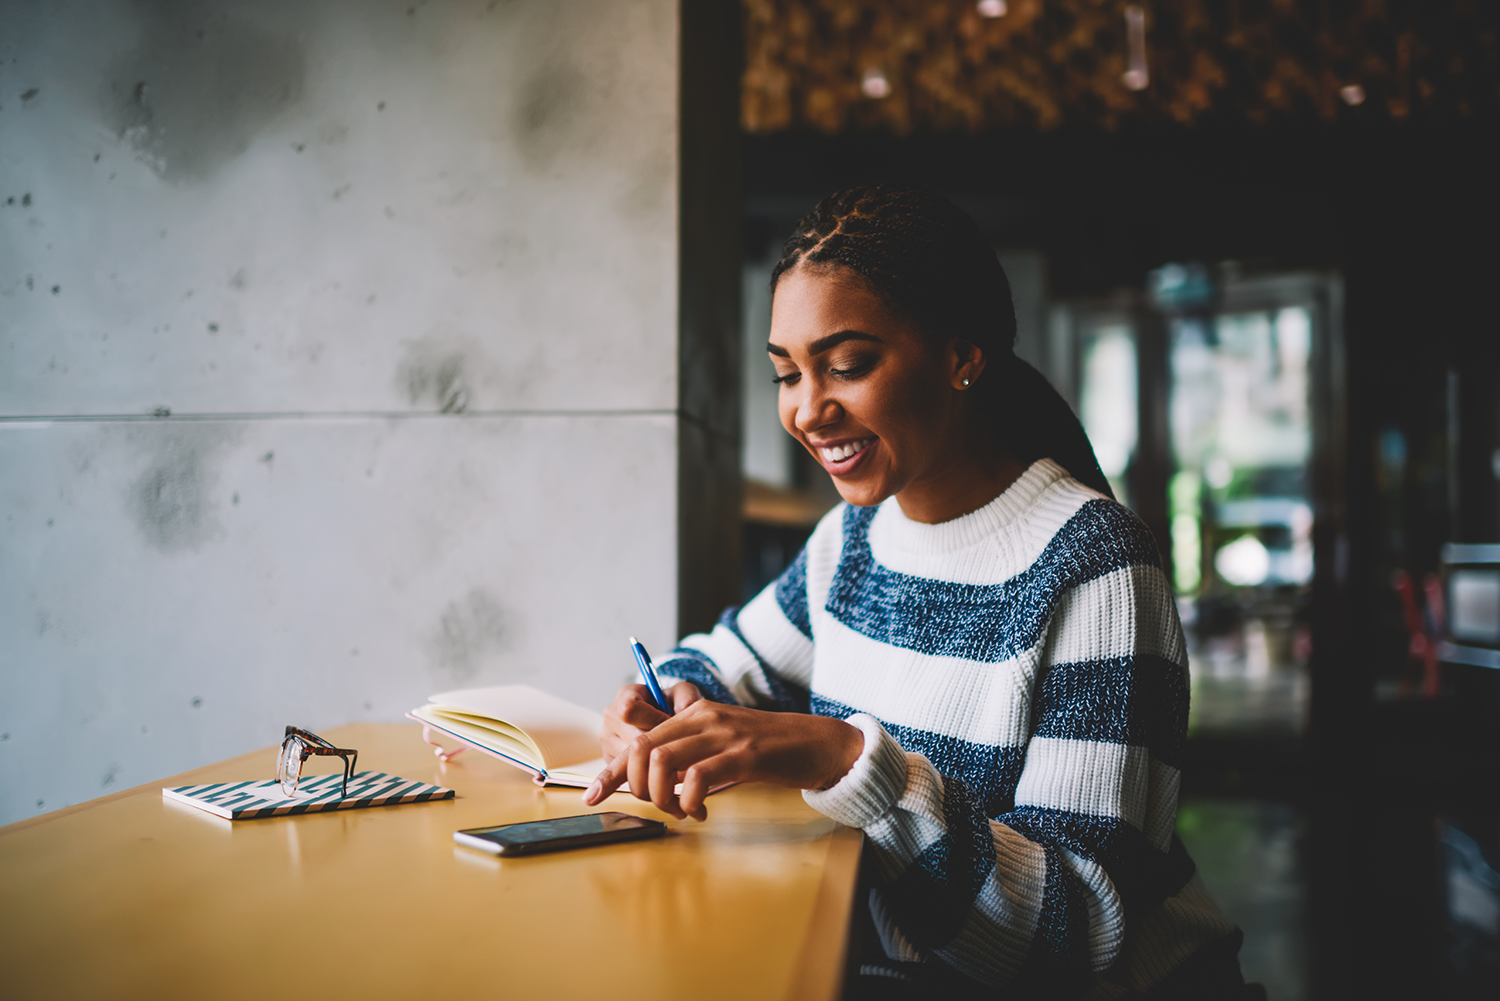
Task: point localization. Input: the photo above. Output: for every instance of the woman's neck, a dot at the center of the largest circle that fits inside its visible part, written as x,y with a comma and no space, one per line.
976,474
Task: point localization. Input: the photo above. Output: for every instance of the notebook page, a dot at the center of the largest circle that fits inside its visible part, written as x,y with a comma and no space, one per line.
565,733
485,735
578,776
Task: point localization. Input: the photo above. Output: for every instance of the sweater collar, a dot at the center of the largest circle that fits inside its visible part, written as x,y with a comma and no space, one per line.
896,529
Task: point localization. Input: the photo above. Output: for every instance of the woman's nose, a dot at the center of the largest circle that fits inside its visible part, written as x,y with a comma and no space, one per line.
816,409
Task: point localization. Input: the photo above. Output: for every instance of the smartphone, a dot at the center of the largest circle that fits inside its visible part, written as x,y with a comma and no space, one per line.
562,832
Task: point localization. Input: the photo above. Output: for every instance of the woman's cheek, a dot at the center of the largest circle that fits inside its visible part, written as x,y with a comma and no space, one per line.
922,401
786,409
789,425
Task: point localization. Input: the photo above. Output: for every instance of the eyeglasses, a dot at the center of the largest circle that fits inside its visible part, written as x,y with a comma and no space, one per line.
297,746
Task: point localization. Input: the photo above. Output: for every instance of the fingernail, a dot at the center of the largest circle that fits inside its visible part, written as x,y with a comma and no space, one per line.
592,792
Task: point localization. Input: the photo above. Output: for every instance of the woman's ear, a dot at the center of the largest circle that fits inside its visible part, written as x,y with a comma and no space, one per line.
965,363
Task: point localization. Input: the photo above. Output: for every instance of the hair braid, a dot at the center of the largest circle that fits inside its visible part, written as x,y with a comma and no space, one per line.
926,258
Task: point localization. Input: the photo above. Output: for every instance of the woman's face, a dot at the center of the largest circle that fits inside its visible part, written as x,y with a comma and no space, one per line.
863,391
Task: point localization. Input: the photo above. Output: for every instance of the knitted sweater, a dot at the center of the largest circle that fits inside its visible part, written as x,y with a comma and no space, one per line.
1020,678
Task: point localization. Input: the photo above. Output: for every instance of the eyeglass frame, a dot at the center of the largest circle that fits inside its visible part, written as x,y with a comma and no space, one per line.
310,744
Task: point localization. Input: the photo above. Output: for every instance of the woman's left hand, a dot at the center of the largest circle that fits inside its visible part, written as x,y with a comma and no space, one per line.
710,744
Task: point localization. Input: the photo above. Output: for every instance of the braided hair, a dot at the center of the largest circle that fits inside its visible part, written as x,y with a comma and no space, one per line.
926,259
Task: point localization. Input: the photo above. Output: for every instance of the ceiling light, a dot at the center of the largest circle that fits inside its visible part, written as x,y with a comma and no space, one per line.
875,84
992,8
1353,95
1136,77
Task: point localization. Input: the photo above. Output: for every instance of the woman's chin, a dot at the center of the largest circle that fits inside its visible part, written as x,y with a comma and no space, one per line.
860,494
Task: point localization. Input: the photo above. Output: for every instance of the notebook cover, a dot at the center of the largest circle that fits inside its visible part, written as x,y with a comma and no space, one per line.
252,800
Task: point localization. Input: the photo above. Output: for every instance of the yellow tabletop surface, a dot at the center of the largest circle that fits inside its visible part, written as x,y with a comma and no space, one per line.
135,896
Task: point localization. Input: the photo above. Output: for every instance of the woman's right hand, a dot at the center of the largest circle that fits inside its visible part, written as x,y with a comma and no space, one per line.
632,713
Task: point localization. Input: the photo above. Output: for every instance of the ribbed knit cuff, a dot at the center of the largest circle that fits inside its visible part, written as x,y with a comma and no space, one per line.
676,667
872,786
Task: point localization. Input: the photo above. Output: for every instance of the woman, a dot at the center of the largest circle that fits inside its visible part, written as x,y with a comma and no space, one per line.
976,660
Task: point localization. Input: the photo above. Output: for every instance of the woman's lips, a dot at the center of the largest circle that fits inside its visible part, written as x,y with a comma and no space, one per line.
842,458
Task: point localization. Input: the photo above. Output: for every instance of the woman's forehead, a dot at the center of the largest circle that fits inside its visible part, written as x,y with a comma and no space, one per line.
811,304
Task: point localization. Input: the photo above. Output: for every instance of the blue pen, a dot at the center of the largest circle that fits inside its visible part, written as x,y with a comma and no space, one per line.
649,676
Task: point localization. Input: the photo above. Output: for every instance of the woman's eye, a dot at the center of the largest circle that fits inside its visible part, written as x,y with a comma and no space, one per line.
852,370
788,379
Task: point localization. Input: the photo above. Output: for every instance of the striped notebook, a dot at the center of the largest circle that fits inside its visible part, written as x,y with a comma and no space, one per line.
252,800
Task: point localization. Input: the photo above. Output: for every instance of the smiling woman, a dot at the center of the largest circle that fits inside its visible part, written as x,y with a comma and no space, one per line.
877,404
976,660
925,283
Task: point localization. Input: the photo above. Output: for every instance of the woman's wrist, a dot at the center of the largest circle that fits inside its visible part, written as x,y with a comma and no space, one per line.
848,743
873,785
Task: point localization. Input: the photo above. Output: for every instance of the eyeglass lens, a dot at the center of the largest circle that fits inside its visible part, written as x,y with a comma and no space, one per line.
289,765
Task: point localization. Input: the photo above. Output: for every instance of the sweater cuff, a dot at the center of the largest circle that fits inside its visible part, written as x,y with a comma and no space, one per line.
872,786
676,667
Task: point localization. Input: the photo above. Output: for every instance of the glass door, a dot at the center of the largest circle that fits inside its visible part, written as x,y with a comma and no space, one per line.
1241,509
1229,367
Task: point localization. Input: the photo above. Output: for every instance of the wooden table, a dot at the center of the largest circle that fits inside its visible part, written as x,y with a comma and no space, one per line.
133,896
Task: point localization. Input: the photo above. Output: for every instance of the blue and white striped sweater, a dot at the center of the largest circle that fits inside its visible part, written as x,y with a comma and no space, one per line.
1021,680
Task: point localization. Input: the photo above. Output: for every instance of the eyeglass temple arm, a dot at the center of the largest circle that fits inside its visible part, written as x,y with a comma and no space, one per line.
330,750
350,757
349,754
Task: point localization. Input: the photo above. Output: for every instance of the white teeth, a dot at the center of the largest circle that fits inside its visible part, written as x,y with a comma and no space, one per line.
838,453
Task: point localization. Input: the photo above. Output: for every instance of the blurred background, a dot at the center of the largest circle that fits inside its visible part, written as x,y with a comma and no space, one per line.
350,352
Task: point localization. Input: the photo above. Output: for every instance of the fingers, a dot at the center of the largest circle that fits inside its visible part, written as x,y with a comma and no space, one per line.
641,712
606,782
684,694
630,764
628,716
710,744
614,741
667,764
638,768
633,706
700,779
661,781
654,763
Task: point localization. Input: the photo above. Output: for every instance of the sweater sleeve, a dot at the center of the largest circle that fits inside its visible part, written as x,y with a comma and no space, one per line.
1039,895
759,655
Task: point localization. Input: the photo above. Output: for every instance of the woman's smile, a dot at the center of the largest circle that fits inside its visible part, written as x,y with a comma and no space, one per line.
841,458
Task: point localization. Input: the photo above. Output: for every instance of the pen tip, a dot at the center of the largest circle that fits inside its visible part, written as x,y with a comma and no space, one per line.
632,641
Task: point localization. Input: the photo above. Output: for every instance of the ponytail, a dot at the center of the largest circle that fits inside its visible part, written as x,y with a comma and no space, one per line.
1035,422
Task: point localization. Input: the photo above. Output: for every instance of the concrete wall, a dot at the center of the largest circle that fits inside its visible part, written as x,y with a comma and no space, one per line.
342,354
767,449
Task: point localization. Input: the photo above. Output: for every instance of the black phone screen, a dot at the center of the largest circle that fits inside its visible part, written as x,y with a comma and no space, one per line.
561,832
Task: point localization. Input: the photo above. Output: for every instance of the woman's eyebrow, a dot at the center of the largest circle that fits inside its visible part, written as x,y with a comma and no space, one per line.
824,343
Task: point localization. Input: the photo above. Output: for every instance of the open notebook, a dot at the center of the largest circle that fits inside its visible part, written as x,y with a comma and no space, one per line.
553,739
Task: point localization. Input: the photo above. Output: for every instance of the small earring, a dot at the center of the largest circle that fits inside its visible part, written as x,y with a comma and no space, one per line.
964,383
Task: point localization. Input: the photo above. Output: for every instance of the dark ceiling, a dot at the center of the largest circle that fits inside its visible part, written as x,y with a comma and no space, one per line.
905,66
